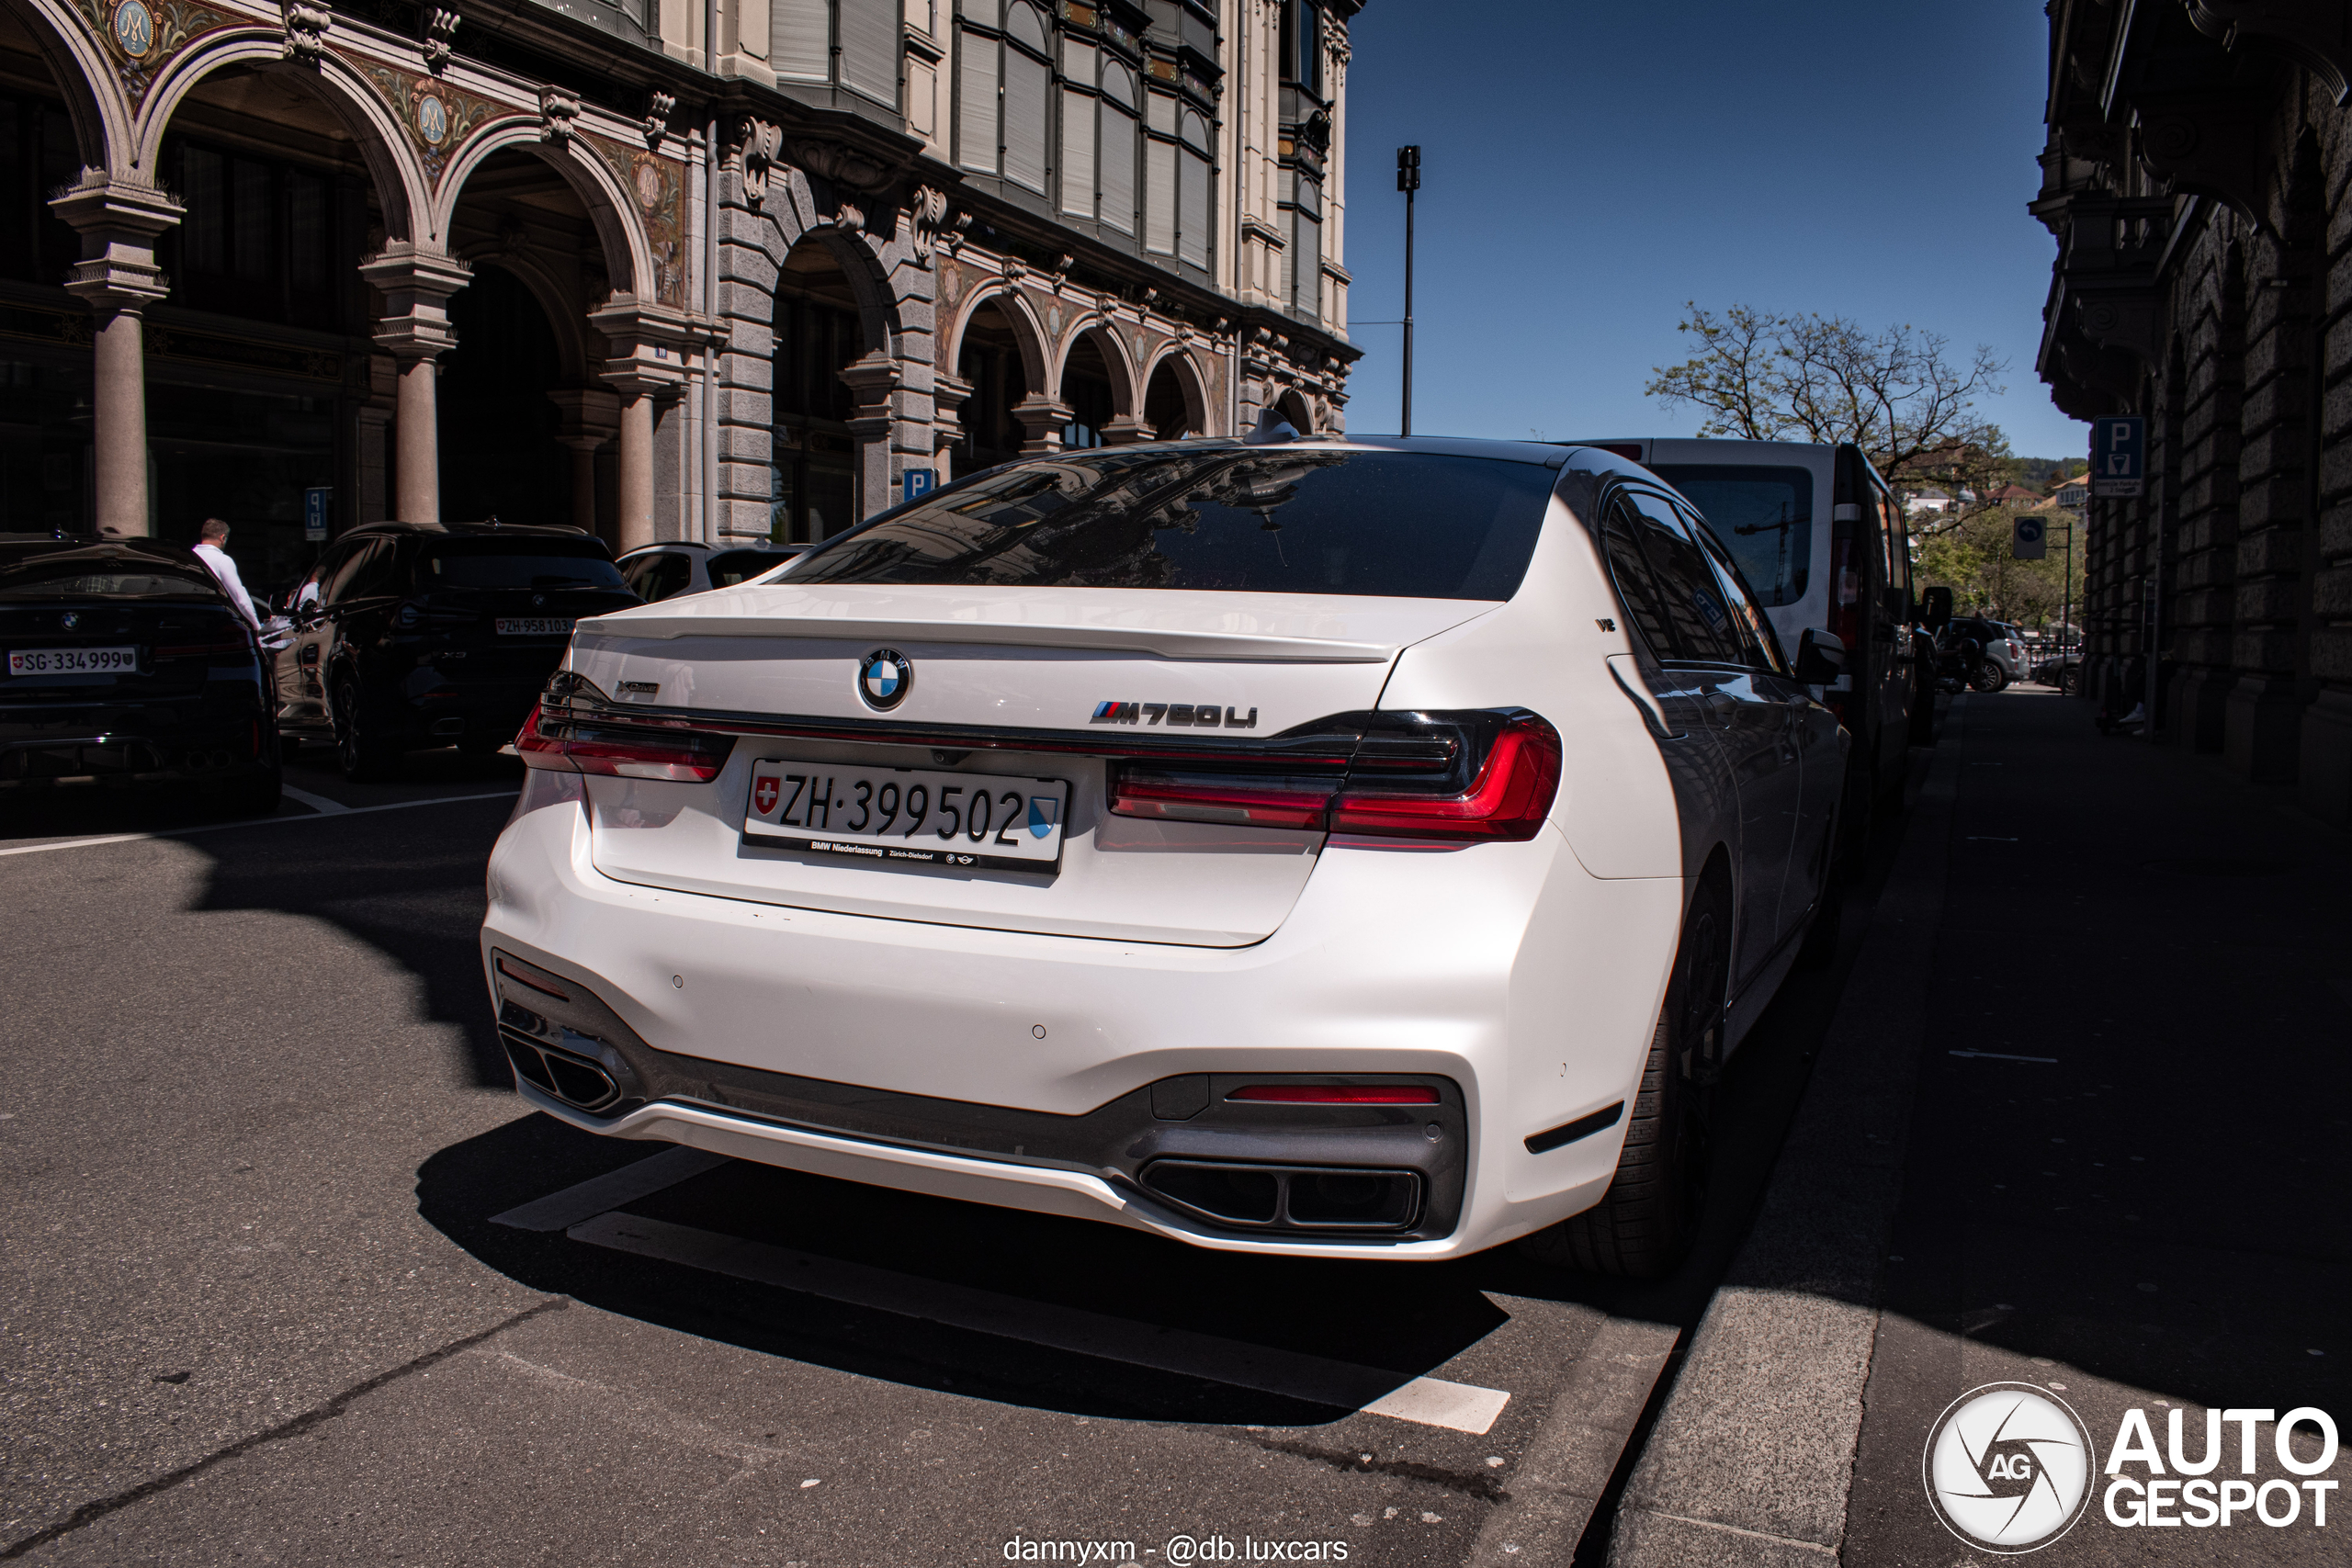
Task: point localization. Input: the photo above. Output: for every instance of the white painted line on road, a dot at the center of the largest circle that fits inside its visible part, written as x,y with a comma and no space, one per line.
1431,1401
318,803
1997,1056
256,822
598,1194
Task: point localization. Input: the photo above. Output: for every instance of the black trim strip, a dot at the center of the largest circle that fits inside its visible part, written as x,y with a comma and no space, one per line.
1582,1127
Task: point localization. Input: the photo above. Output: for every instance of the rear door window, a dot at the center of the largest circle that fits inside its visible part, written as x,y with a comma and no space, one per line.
1759,646
1637,586
1255,520
1761,513
1693,602
352,575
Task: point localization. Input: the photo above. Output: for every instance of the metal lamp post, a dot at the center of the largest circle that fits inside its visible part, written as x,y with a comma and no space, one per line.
1408,180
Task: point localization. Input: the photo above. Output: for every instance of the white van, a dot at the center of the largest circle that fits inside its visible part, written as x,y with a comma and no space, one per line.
1822,542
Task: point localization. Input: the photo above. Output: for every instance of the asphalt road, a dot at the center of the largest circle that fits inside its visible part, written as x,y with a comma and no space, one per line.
257,1308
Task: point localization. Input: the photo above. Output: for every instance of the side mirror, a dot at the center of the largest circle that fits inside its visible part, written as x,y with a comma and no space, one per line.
1935,609
1821,658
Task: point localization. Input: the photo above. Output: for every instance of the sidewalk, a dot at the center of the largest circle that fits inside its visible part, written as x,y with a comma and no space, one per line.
2081,1123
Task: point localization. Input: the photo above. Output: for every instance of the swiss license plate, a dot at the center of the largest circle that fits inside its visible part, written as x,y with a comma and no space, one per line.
908,816
533,625
73,661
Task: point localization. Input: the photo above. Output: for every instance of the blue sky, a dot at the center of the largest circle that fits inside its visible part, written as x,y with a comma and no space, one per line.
1588,168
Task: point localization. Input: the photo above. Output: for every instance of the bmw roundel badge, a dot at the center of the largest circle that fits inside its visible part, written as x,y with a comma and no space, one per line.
884,678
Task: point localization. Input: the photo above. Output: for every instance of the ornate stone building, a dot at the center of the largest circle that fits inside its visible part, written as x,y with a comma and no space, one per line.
565,262
2199,154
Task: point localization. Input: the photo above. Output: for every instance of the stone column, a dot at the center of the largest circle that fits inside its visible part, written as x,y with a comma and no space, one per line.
647,345
1042,418
590,418
417,284
116,275
947,396
874,380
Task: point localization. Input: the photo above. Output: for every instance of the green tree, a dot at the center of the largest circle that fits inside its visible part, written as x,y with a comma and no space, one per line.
1970,555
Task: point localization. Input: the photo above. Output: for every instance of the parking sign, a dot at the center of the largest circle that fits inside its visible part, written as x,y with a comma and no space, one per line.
2029,542
2118,457
314,512
919,482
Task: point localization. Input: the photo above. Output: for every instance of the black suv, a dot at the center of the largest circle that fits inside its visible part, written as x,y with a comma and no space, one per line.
126,664
410,635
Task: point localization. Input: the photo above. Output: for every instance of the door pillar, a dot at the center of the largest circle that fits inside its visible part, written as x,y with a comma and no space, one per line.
415,330
117,276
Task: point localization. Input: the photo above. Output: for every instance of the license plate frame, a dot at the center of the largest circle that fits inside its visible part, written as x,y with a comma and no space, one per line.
116,660
532,626
833,787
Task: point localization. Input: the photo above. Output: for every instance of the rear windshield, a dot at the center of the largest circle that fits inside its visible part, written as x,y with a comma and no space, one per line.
1416,525
62,576
1762,516
517,563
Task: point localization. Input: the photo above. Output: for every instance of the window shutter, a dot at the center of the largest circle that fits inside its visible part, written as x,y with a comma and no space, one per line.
1118,170
1078,153
870,48
801,40
1159,197
1025,102
976,59
1192,209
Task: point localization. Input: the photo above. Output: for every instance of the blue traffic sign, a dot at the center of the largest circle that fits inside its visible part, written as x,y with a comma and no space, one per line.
314,512
2118,457
920,482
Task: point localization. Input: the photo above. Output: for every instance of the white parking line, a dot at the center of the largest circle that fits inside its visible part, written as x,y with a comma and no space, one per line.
256,822
318,803
585,1201
1429,1402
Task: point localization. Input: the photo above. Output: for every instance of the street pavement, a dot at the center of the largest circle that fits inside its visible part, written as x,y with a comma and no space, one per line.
259,1304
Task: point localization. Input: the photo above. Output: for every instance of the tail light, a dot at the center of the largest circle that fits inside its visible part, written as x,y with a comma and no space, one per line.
1468,775
621,751
1846,572
1336,1094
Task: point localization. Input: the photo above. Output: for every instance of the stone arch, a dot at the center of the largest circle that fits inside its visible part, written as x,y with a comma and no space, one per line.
611,207
575,354
402,189
84,76
1295,406
1126,388
1191,386
1028,332
788,215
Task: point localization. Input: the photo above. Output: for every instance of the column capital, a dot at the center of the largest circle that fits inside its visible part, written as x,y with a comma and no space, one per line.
649,344
591,415
1042,418
1124,431
417,284
119,220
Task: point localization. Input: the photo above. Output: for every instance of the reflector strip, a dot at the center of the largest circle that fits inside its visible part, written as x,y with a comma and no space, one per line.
1337,1094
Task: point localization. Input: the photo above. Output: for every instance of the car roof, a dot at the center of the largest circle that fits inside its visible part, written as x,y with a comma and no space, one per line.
489,528
32,547
667,545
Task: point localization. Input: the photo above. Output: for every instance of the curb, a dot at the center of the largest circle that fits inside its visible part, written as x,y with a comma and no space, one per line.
1784,1349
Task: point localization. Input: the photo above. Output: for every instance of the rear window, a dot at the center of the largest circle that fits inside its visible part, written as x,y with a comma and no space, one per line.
1761,514
1417,526
67,575
515,563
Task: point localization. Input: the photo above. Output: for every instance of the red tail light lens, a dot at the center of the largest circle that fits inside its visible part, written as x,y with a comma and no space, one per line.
1336,1094
536,979
622,751
1472,775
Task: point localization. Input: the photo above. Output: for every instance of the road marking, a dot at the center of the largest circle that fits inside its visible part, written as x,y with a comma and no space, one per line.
598,1194
1984,839
1997,1056
1430,1401
318,803
256,822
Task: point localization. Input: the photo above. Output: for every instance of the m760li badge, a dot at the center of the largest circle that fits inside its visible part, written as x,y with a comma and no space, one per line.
1201,716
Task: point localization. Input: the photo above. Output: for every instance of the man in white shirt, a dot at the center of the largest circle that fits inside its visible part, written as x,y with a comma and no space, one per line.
211,551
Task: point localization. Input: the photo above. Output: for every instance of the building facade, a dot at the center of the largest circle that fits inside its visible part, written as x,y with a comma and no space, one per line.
2197,156
661,268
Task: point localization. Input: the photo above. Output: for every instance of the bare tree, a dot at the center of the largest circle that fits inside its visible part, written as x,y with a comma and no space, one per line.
1896,393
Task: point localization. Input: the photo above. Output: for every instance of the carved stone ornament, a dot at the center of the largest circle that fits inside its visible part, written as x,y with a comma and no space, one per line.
760,142
2314,34
440,37
1015,269
306,31
926,215
557,109
843,165
658,110
848,216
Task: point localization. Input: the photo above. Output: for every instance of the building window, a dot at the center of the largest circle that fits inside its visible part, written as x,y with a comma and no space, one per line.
1004,76
1076,172
1302,46
1193,221
1118,147
848,43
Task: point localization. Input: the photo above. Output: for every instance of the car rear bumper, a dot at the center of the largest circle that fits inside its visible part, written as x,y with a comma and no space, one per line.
1533,1001
177,740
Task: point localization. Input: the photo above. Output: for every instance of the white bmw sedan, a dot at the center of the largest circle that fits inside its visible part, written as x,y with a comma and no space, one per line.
1344,848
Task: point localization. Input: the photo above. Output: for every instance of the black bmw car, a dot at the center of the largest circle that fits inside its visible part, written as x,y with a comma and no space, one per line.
128,665
410,635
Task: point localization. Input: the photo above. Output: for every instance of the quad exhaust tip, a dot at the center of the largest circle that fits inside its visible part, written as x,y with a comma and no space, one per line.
1289,1197
575,1080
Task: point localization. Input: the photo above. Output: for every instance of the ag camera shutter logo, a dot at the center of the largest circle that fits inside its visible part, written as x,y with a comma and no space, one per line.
2008,1468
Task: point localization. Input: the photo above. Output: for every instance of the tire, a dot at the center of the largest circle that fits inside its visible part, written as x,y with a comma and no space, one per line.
1989,678
1644,1223
2069,682
363,753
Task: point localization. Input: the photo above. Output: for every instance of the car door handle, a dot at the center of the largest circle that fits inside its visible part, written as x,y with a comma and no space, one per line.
1723,705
